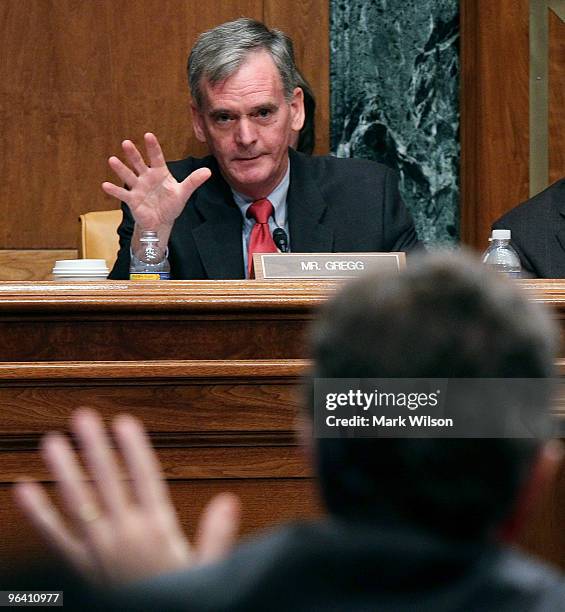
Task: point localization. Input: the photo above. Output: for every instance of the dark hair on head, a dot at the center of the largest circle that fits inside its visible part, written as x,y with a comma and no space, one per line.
444,317
307,135
219,52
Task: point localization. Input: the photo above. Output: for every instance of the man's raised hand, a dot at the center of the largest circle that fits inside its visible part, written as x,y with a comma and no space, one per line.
119,530
154,196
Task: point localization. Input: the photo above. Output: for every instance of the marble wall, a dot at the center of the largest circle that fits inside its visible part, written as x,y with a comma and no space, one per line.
394,99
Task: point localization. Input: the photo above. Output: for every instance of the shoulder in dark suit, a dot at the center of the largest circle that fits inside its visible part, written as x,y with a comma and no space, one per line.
334,205
338,566
538,232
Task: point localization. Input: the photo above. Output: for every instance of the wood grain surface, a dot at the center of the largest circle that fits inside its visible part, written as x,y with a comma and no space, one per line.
495,68
556,97
494,113
265,501
308,21
176,410
31,265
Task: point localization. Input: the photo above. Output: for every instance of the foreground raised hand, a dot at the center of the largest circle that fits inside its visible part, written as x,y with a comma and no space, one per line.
119,530
154,196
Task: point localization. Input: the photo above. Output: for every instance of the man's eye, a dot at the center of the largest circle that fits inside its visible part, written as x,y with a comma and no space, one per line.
264,113
222,118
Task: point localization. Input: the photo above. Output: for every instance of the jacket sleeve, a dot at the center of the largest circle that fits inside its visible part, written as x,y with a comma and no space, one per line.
398,224
120,271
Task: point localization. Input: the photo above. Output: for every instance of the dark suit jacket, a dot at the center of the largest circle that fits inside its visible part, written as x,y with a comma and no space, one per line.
341,567
334,205
538,232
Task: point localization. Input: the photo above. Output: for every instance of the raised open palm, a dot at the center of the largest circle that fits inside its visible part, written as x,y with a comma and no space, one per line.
154,196
119,524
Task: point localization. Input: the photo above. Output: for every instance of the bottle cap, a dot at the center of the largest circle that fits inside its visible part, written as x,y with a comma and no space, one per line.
149,236
500,234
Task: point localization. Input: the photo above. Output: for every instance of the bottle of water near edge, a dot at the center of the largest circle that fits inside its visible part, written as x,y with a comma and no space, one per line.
149,260
501,256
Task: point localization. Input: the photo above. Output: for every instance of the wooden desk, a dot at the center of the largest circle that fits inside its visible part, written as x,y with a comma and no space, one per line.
211,367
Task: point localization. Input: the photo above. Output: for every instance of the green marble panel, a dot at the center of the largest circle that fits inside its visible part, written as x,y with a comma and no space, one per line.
394,99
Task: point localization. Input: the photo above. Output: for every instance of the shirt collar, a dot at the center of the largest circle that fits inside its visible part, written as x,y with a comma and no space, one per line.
277,198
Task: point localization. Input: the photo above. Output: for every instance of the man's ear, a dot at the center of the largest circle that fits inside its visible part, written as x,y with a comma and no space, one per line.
541,478
198,123
297,113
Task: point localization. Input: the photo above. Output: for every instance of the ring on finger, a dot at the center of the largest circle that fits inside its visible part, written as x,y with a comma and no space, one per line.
88,512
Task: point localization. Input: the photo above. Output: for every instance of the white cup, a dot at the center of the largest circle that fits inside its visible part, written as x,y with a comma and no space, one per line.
80,270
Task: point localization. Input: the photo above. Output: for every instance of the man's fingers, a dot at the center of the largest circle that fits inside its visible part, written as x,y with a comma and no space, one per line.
116,192
193,181
36,505
101,460
134,156
125,174
142,464
218,527
62,462
154,151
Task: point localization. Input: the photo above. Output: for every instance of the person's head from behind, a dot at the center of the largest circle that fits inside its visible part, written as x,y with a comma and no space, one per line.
246,102
445,317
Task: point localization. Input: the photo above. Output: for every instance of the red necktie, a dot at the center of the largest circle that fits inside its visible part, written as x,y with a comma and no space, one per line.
260,240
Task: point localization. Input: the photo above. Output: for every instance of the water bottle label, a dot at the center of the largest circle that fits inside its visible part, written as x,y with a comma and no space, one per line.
150,276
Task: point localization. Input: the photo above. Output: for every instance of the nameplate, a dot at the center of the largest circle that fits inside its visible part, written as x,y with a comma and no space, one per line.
281,266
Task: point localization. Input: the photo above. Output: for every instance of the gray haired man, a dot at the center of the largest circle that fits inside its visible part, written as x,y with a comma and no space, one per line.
246,106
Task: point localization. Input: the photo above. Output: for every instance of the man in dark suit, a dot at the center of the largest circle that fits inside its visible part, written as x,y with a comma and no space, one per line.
538,232
414,523
246,106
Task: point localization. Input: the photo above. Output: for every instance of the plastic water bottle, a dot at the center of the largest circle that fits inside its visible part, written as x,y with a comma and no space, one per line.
149,260
501,256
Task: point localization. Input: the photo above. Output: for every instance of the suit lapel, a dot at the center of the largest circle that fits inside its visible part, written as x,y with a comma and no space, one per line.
218,237
306,208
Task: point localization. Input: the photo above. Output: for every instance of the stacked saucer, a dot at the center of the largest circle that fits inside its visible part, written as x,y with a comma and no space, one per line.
80,270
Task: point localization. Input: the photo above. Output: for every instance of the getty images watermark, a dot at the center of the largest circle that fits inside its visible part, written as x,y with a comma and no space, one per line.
433,407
